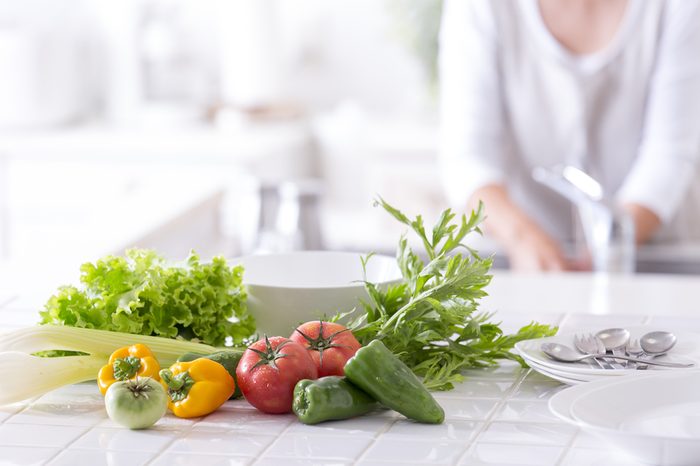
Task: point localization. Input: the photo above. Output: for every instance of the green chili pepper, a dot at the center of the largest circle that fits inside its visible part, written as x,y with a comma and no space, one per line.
377,371
329,398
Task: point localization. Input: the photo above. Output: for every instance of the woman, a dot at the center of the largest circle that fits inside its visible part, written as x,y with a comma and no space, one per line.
610,86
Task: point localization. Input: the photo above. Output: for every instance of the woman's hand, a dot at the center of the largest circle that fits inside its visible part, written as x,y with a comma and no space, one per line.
528,246
530,249
646,222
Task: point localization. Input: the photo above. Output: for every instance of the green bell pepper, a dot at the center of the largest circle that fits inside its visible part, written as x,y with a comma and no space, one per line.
377,371
329,398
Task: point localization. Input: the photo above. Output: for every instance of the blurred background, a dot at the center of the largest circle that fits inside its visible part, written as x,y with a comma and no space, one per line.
225,126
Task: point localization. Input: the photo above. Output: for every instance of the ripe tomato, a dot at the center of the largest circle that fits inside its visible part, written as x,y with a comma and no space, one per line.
329,344
269,370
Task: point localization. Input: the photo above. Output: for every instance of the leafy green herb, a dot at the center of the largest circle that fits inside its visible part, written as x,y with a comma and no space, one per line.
142,294
431,319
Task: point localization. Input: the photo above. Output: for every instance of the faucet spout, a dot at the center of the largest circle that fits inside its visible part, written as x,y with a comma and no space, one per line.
607,229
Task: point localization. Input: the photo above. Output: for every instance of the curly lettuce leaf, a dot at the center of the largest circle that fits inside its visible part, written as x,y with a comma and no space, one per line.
142,294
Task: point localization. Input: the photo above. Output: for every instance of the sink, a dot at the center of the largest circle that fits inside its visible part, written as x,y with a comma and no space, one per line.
656,258
669,258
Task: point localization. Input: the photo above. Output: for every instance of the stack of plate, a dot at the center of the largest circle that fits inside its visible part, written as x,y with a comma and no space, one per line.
686,350
654,417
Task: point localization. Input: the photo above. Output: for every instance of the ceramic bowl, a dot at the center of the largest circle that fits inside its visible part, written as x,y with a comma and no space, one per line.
290,288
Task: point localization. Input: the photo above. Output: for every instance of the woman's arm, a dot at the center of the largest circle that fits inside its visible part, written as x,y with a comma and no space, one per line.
473,131
665,167
471,108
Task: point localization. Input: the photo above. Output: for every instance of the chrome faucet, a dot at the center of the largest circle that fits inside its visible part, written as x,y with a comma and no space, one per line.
289,217
608,230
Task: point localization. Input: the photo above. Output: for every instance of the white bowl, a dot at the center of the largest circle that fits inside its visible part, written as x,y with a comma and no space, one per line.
290,288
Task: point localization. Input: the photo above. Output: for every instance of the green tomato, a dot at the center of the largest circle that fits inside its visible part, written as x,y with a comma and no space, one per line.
136,404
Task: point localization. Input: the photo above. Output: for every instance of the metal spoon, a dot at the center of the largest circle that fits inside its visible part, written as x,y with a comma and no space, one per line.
614,337
563,353
657,343
634,349
615,340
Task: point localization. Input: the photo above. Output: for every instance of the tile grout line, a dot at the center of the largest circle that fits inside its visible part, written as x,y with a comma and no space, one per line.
275,438
491,417
12,415
168,444
500,401
67,446
29,404
569,444
563,319
376,437
567,448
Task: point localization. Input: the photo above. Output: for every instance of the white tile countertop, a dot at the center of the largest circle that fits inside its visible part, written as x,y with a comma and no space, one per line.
496,417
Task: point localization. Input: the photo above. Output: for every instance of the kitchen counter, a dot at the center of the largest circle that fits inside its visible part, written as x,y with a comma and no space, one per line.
497,416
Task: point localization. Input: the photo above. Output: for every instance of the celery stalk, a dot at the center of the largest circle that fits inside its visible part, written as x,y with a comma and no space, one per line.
26,376
95,342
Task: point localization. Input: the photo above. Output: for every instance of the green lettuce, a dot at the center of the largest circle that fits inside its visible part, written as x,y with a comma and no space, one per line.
142,294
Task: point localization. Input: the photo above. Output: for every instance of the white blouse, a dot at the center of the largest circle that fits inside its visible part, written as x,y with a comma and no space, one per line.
513,98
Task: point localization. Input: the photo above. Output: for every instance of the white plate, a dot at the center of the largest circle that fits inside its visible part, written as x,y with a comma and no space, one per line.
560,403
667,407
687,350
577,378
559,377
654,418
569,379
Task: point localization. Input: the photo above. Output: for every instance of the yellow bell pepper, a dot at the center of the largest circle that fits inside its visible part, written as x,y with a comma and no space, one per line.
197,388
127,363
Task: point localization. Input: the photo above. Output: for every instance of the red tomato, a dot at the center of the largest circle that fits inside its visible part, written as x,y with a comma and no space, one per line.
329,344
269,370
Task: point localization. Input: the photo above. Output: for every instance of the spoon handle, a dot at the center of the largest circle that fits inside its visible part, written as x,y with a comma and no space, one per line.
645,361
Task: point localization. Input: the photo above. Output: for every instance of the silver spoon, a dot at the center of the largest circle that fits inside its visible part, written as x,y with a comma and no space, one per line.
634,349
615,340
614,337
563,353
657,343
